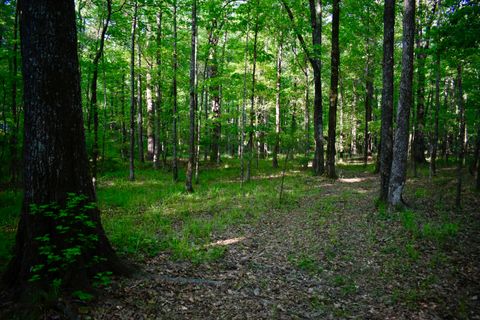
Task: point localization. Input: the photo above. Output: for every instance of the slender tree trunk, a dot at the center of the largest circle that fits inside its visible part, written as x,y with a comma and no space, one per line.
316,21
400,146
433,165
386,144
52,96
193,98
214,91
252,103
174,88
244,112
461,135
123,124
93,97
356,98
141,154
367,136
132,94
150,118
14,133
307,116
158,91
276,148
332,113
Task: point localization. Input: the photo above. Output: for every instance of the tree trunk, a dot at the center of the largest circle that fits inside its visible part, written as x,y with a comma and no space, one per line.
158,91
14,134
461,135
174,88
193,98
316,21
314,57
244,112
141,154
276,148
150,118
124,126
386,143
252,103
56,163
93,97
400,146
367,137
132,94
214,91
332,113
433,165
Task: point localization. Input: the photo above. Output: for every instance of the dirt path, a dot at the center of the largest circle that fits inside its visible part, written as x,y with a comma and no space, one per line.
331,256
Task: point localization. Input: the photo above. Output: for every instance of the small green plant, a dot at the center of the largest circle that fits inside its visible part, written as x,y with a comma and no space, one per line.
72,236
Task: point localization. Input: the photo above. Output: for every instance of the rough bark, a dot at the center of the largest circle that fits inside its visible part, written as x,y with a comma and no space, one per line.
332,112
56,161
386,144
400,146
193,99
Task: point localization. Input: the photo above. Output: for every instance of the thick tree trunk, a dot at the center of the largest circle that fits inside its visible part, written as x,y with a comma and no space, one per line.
93,97
386,144
56,163
276,147
174,89
193,99
433,159
461,135
332,112
400,146
132,93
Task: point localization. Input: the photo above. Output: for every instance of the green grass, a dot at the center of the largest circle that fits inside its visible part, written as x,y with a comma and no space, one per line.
154,214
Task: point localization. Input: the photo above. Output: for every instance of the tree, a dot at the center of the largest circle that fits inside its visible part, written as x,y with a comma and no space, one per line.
193,98
174,89
400,145
276,147
132,92
461,134
387,98
56,164
314,56
332,113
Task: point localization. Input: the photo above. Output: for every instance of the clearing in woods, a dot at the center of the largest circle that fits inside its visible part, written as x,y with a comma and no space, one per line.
325,252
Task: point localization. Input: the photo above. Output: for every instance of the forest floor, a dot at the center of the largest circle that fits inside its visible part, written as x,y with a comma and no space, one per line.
327,251
328,254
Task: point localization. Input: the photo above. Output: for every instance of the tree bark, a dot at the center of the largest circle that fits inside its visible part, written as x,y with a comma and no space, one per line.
252,104
400,146
93,97
433,160
132,93
150,118
332,112
158,92
386,144
193,98
56,162
174,89
367,136
276,148
141,154
461,135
